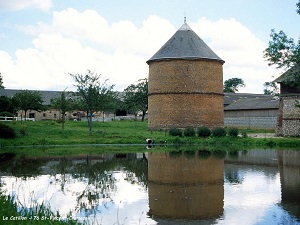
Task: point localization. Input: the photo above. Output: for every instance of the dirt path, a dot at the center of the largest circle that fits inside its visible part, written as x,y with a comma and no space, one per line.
262,135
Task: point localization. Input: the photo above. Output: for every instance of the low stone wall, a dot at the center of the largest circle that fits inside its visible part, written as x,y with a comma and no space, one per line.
251,122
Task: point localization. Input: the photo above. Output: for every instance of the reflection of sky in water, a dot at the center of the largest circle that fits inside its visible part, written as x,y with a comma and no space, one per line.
255,199
127,202
252,199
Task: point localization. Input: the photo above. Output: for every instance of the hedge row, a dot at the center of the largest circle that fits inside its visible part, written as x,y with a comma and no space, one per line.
204,132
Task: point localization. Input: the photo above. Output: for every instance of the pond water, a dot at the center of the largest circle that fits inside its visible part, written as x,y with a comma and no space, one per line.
177,187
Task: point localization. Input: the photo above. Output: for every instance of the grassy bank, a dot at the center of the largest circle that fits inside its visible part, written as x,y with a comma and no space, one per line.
50,133
47,137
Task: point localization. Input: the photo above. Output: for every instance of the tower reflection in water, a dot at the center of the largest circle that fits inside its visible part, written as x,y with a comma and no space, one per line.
289,167
183,185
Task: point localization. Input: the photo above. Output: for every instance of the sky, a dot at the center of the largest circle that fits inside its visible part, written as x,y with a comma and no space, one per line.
42,42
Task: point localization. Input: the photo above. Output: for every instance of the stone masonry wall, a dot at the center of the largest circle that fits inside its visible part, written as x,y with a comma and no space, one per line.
185,93
288,123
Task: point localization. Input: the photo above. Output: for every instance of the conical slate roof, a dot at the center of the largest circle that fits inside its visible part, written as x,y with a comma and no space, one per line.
185,44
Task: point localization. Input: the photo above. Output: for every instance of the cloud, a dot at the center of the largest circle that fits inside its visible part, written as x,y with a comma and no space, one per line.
75,41
241,50
23,4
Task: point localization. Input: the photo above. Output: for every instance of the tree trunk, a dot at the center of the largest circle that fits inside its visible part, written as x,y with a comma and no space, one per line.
63,121
87,118
21,116
90,123
143,116
25,114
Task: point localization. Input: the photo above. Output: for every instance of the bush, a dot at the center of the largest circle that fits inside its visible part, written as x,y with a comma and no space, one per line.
204,132
244,134
6,131
8,114
23,131
175,132
233,132
218,132
189,132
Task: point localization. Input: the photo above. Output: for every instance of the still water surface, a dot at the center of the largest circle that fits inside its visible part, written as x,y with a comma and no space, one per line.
178,187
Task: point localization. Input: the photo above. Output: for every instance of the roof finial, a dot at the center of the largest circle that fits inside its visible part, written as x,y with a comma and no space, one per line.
184,26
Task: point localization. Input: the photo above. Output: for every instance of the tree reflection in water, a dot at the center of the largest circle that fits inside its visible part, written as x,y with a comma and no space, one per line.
99,180
260,186
90,179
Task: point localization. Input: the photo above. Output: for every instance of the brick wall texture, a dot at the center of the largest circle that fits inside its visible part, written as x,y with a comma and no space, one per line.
185,93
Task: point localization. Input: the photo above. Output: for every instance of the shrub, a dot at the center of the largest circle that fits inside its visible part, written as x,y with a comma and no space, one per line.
189,132
204,132
23,131
233,132
218,132
233,153
8,114
175,132
6,131
244,134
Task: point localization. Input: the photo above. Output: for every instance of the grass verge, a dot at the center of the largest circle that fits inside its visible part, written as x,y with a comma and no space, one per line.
47,138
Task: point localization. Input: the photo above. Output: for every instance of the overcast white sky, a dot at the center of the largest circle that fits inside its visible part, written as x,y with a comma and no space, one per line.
41,41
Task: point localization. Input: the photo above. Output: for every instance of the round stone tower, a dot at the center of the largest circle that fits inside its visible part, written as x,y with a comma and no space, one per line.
185,84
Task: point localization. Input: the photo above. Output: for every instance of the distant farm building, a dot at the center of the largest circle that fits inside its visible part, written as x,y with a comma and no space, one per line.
49,114
185,84
54,114
250,110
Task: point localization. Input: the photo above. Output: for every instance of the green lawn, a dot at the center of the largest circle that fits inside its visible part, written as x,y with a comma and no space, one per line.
43,135
50,133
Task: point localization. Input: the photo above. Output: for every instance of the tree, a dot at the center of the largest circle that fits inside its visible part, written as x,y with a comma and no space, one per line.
113,102
28,100
270,88
6,106
94,95
136,97
63,104
232,85
283,51
1,82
